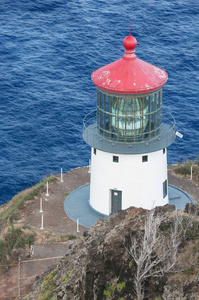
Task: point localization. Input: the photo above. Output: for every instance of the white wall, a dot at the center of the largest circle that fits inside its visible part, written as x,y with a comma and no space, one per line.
141,183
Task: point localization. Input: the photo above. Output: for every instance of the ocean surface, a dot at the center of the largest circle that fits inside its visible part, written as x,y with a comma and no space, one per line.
48,50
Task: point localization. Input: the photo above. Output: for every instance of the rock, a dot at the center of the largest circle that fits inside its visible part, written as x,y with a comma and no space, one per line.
173,291
99,267
191,208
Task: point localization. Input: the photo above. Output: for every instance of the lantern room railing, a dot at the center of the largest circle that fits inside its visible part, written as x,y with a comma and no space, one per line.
91,127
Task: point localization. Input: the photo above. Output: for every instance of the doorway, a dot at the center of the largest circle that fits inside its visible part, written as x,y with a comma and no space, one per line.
116,201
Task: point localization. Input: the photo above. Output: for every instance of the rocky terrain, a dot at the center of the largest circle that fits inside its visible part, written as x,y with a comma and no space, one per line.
99,265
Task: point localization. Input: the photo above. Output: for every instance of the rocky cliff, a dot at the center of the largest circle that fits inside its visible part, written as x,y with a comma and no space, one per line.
99,265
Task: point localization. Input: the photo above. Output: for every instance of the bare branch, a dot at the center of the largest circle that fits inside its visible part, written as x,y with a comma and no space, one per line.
154,251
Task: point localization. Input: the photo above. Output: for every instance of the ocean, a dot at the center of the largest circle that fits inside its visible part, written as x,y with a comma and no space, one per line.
48,50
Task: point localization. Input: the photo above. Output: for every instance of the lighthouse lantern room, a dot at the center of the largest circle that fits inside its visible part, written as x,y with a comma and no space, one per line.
128,134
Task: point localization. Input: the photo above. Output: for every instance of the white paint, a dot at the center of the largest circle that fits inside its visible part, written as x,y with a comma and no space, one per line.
180,135
191,172
61,176
41,210
141,183
47,195
42,222
77,225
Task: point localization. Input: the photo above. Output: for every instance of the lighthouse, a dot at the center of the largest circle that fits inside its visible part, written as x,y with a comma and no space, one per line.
129,134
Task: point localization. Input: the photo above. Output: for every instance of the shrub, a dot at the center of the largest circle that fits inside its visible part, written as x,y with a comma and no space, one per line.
48,286
188,272
184,168
14,238
66,237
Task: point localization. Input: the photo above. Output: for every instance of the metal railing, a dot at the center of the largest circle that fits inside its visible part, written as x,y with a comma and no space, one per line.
91,127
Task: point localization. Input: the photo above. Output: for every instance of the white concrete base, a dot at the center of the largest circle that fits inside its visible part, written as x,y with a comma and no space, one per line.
141,183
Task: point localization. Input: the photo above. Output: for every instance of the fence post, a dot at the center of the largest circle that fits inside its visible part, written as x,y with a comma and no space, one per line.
77,225
42,221
19,278
61,176
47,190
191,172
41,211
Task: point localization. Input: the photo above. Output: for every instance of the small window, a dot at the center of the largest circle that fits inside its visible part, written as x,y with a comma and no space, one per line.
144,158
164,151
94,151
164,188
116,159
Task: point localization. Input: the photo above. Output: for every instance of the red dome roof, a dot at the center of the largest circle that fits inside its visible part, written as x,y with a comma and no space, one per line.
129,75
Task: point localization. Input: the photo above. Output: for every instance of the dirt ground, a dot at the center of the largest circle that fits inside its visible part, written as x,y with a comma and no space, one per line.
56,222
55,219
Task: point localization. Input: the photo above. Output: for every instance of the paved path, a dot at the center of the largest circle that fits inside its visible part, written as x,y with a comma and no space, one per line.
77,207
55,219
56,222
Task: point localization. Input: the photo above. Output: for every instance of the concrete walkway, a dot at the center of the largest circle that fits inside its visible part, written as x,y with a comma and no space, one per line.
76,204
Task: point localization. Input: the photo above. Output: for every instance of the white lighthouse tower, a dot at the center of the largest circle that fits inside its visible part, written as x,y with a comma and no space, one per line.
128,135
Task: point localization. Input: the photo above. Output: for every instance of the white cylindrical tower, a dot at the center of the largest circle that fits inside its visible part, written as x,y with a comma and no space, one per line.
128,135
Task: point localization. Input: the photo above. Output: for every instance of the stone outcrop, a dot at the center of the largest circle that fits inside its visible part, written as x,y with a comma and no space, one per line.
98,266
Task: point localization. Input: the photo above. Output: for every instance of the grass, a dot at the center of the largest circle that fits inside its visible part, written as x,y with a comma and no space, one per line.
184,168
188,272
66,237
12,208
193,232
16,237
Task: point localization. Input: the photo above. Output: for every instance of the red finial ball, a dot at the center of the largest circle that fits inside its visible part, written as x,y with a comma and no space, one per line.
129,42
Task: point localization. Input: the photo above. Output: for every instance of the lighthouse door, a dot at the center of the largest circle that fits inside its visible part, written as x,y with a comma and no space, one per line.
116,201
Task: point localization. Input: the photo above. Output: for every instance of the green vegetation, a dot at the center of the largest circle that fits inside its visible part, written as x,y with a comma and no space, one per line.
11,209
120,286
110,289
72,236
48,286
184,168
66,237
193,232
14,238
188,272
196,247
67,276
26,227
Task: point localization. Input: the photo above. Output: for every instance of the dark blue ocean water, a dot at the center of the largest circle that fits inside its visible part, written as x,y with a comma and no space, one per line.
48,50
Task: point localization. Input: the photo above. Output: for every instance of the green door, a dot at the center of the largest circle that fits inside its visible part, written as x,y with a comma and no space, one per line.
116,201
